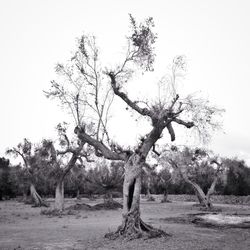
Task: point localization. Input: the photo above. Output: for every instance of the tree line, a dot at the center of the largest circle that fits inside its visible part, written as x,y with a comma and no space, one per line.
105,178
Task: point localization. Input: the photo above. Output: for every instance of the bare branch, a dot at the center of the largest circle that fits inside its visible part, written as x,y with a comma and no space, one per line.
99,146
124,97
171,131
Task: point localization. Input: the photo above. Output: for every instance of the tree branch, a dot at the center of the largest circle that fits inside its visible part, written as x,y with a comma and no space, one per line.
181,122
99,146
124,97
171,131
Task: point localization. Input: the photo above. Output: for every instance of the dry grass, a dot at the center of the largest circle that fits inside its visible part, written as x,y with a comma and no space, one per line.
23,227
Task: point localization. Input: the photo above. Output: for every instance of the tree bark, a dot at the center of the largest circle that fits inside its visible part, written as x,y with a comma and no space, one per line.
132,225
59,196
35,197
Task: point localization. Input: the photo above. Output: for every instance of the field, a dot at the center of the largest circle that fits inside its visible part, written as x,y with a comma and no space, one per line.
23,227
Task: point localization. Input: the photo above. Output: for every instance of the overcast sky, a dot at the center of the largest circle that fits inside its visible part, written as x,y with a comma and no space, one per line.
35,35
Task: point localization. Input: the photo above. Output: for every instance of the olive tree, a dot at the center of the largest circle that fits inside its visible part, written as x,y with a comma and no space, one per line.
191,163
63,159
33,165
88,88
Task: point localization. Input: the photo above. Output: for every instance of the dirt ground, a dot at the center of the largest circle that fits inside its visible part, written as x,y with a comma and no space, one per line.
23,227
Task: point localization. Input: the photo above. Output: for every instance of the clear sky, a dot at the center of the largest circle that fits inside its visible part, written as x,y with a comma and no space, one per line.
35,35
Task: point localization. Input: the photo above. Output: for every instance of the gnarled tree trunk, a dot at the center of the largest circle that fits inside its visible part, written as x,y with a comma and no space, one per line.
59,196
35,197
132,224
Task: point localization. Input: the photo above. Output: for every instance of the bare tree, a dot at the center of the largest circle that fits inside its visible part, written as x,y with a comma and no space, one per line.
88,90
30,158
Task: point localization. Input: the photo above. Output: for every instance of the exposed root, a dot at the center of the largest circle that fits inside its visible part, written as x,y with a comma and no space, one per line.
134,229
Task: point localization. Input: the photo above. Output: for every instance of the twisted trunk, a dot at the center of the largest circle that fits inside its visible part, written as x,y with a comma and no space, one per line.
59,197
132,225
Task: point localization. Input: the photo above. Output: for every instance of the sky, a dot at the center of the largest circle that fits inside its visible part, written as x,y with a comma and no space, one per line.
213,35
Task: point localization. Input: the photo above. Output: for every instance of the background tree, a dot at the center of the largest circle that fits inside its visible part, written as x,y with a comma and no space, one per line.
106,178
77,179
32,167
88,89
63,160
164,180
188,163
237,180
149,176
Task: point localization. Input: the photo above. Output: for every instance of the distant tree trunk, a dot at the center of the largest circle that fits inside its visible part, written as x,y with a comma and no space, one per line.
78,197
24,195
212,188
59,196
35,197
165,196
148,195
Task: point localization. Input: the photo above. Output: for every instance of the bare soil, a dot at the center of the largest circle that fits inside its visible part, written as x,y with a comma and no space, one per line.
24,227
